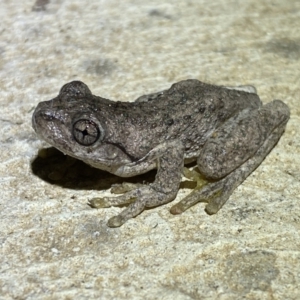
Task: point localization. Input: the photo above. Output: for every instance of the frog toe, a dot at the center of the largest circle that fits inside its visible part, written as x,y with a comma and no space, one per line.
116,221
99,203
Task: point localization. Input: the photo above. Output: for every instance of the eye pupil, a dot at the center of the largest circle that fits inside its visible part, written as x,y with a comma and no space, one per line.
86,132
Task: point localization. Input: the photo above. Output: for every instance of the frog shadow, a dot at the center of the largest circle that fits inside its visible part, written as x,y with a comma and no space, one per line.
59,169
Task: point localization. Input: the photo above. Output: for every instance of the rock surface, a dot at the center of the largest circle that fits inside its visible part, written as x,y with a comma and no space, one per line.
53,245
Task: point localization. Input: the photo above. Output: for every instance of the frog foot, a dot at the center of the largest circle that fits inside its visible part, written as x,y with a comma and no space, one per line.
212,193
138,200
194,196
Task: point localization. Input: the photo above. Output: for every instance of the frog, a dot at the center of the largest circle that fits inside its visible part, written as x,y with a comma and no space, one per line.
225,131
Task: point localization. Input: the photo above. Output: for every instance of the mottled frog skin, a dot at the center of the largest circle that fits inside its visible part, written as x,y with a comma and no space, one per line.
226,130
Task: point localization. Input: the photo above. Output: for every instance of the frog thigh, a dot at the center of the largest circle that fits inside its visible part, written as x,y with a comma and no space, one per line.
239,138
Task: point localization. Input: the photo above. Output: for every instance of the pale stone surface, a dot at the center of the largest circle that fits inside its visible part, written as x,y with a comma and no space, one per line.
54,246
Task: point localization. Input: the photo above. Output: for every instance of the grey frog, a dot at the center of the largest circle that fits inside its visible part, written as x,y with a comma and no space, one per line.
226,130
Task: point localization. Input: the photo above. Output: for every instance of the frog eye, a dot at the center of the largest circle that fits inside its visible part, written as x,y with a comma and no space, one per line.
74,90
86,132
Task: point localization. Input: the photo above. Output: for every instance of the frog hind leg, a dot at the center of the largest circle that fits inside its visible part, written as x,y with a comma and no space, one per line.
234,152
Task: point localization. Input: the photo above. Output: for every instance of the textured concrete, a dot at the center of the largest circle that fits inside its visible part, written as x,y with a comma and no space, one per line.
53,245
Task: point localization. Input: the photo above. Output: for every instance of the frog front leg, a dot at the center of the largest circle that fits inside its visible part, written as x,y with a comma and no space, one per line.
169,161
234,151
